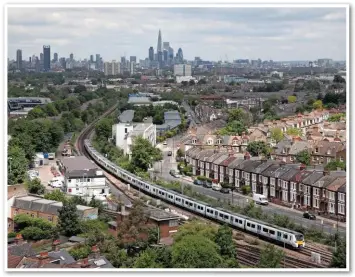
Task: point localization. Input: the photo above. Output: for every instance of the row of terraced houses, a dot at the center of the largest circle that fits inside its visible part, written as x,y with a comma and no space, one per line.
287,184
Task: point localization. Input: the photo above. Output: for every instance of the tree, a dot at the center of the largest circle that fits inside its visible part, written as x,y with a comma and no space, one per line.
144,154
35,233
270,257
103,128
334,165
294,132
256,148
338,79
68,219
35,186
191,82
233,128
50,110
339,256
180,153
56,195
304,157
224,239
292,99
17,165
148,259
336,117
36,112
195,251
317,105
196,227
80,251
79,89
276,134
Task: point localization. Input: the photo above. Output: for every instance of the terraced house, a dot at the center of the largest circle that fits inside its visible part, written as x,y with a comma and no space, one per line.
286,184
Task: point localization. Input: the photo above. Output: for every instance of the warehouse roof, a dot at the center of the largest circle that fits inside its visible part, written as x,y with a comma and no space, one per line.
77,163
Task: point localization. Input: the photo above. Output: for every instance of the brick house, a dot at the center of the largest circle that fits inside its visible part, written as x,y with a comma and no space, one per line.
326,151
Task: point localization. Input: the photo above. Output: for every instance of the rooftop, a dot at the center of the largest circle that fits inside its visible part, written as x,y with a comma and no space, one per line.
126,116
78,163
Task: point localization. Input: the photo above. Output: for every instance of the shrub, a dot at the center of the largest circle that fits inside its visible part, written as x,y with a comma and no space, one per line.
35,233
80,252
246,189
11,235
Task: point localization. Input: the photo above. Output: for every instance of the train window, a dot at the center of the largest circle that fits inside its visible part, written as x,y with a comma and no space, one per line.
208,210
248,224
191,204
226,217
154,190
163,193
285,236
240,222
265,230
216,213
147,187
253,226
236,220
186,202
221,215
272,232
177,199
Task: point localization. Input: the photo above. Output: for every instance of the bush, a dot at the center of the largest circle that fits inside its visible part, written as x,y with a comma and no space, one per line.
80,252
246,189
11,235
35,233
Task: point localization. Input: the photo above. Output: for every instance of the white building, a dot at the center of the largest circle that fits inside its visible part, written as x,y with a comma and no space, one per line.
132,67
124,134
83,178
180,79
182,70
112,68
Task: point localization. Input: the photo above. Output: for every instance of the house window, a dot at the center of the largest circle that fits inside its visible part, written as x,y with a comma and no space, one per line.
209,142
341,159
316,150
234,142
194,141
219,141
328,152
341,197
173,223
341,208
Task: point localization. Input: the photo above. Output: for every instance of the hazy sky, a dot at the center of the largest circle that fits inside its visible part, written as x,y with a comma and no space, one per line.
210,33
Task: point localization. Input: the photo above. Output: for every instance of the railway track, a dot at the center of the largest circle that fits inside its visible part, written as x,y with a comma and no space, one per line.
247,255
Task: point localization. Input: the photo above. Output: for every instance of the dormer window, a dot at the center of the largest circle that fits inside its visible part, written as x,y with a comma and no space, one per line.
316,150
209,142
219,141
235,142
194,141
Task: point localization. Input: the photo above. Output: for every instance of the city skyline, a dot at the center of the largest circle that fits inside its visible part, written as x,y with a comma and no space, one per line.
213,34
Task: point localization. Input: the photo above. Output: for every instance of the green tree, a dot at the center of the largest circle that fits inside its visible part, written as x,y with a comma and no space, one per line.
304,157
338,79
144,154
276,134
79,89
270,257
256,148
292,99
196,227
35,186
56,195
80,252
17,165
294,132
317,105
103,128
68,220
336,117
35,233
50,110
224,240
148,259
36,112
339,256
333,165
195,251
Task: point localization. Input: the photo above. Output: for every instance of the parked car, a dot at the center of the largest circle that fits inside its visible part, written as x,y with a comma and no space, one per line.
225,190
197,182
309,215
216,187
207,185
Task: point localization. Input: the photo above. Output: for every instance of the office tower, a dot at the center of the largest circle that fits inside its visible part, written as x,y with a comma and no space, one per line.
41,57
182,70
123,60
171,54
165,55
133,59
46,57
30,60
91,58
132,67
116,68
55,57
19,59
160,58
151,53
180,56
159,48
63,62
37,64
108,68
111,68
166,45
71,57
97,58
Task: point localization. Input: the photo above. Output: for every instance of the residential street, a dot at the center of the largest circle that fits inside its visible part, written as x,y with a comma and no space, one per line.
240,200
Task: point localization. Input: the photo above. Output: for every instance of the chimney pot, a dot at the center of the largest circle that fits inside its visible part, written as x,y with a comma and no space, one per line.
43,255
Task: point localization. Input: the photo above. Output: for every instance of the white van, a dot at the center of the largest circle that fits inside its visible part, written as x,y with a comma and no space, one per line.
59,179
260,199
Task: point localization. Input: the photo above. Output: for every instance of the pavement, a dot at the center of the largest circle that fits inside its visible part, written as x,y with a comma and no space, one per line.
169,162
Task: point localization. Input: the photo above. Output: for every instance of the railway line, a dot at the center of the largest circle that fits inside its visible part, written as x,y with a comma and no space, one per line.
247,255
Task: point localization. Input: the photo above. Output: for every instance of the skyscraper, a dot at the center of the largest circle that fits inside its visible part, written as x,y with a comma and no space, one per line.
71,56
180,55
159,48
151,53
55,57
133,59
46,57
91,58
166,45
165,55
19,59
41,57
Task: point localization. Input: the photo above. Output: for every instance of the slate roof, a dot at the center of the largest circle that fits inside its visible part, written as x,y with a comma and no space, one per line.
23,250
336,184
312,178
324,181
62,255
299,146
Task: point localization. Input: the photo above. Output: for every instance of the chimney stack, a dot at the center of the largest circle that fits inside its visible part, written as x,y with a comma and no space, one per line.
96,252
246,156
85,263
43,255
55,245
302,167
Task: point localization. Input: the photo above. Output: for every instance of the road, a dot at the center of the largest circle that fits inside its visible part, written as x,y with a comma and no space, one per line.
194,120
169,163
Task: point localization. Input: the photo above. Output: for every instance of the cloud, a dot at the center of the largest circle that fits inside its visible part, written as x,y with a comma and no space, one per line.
210,33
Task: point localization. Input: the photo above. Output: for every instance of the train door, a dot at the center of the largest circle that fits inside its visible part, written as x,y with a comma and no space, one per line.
278,235
258,229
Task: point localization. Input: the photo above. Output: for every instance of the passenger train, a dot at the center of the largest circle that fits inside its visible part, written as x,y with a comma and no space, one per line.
273,233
